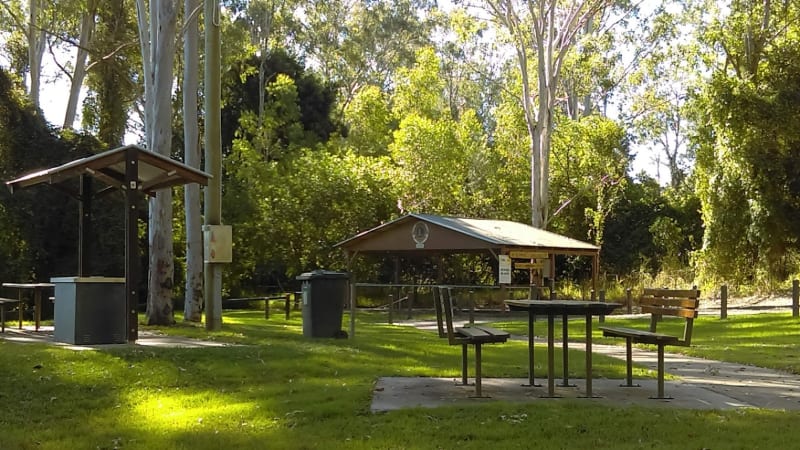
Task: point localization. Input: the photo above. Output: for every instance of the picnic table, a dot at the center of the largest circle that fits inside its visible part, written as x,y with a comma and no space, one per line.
563,308
37,298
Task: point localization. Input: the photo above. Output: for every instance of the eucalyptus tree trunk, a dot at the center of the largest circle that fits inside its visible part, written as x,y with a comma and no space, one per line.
158,51
79,74
547,29
36,43
193,299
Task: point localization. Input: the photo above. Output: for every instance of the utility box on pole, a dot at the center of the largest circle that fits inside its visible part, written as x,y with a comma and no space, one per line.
217,244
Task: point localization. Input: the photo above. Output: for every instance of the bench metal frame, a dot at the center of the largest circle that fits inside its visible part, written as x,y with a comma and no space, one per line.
4,302
659,303
470,334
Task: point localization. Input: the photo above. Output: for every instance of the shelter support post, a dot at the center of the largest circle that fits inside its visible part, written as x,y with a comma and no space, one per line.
85,226
552,276
595,271
132,263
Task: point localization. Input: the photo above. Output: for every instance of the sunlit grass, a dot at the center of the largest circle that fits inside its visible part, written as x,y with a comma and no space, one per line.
276,389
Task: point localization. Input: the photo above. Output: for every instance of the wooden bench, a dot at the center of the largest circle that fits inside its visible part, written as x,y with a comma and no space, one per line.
4,302
470,334
659,303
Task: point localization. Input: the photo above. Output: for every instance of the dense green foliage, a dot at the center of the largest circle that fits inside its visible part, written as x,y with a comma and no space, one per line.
40,227
748,170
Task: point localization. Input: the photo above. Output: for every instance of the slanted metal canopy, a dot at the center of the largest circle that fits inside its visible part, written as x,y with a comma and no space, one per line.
154,171
132,169
426,234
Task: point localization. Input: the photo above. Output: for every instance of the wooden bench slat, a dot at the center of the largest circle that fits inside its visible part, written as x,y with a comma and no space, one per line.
686,313
675,302
662,292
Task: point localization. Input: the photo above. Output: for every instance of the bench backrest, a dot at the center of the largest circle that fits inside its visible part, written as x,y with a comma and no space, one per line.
681,303
443,303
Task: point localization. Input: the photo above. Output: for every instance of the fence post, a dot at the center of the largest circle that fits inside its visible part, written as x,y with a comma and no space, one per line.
412,298
602,317
471,306
723,301
592,295
629,300
286,306
266,307
533,292
795,298
391,306
352,310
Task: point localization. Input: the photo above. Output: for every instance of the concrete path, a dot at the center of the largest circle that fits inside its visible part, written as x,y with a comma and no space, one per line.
146,338
702,384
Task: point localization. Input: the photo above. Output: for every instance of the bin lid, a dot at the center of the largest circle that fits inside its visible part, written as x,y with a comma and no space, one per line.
322,274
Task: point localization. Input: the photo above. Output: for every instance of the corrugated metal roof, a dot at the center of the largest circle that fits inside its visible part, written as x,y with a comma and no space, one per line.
155,171
496,233
506,233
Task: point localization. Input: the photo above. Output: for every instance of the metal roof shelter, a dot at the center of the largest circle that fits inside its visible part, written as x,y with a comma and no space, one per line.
131,169
432,234
458,235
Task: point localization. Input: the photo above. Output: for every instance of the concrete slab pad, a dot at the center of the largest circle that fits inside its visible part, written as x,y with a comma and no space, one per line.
391,393
146,338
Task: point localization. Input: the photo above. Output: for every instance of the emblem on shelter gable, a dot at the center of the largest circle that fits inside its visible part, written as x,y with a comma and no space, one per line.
420,233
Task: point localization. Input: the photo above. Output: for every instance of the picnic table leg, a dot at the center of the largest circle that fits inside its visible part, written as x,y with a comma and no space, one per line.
464,375
551,388
589,355
478,370
37,306
19,306
565,349
531,380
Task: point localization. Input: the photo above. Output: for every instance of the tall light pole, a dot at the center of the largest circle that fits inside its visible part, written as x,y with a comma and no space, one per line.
213,155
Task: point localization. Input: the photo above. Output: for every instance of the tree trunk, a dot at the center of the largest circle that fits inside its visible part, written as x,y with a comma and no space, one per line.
87,30
36,41
160,276
159,137
193,299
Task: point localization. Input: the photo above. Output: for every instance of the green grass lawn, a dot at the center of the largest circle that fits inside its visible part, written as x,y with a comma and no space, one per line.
280,390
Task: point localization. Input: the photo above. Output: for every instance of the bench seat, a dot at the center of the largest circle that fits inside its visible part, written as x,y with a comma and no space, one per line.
658,303
482,334
472,334
641,336
4,302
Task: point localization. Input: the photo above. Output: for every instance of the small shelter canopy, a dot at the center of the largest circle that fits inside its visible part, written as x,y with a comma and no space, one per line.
154,171
132,169
426,233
